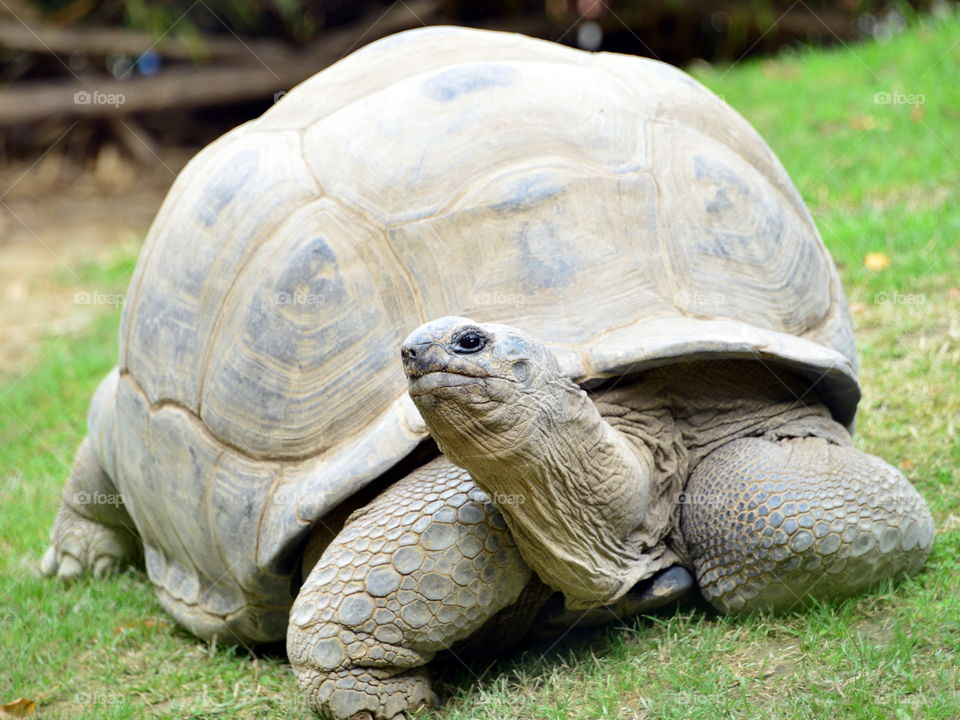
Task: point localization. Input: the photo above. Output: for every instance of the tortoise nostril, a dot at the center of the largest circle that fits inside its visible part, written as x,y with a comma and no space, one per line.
410,353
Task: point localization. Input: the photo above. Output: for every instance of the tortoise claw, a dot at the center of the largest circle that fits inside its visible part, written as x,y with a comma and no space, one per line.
79,545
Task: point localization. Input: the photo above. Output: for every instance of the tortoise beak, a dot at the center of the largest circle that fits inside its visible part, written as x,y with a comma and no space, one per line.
420,357
424,351
427,365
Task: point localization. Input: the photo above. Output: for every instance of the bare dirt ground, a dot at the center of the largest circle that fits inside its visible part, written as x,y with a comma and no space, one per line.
57,218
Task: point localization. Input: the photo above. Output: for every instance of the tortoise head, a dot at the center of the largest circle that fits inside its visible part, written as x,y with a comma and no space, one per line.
480,385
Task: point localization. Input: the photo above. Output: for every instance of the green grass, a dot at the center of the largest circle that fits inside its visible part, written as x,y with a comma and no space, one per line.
878,178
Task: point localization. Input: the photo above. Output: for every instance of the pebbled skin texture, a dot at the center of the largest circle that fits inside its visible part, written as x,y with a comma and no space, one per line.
768,524
424,565
92,531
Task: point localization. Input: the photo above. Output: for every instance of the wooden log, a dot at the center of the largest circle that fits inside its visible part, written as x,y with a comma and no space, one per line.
182,87
174,88
16,35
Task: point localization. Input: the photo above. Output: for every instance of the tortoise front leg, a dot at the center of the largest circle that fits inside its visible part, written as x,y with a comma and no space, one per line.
424,565
771,524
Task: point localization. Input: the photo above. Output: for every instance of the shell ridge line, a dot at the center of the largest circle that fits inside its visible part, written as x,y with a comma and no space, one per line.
507,168
384,233
226,617
147,253
212,524
162,403
434,69
251,252
277,476
144,261
665,259
170,522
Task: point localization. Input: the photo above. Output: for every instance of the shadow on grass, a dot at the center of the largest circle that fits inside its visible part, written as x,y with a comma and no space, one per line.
462,674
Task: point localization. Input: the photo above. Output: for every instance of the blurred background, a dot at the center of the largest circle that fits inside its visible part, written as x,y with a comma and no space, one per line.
103,101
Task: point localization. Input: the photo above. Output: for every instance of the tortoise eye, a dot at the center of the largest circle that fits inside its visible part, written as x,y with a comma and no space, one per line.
469,342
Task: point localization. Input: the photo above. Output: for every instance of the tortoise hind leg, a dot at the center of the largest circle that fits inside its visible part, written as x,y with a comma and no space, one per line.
423,566
770,524
92,531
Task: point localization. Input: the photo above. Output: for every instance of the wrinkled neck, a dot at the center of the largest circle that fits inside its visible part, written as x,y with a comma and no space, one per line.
576,494
713,402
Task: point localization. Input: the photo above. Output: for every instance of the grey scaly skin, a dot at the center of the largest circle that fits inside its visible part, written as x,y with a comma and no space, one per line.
421,567
782,509
428,565
799,518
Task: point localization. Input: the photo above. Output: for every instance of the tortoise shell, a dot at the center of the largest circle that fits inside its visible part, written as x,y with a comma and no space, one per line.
608,204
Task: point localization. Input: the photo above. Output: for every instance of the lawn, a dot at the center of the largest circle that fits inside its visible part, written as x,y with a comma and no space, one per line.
870,135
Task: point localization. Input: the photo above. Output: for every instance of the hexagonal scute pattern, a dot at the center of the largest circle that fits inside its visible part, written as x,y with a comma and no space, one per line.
424,565
770,524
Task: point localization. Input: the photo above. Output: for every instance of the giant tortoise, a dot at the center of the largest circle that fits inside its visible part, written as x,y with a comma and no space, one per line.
657,381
